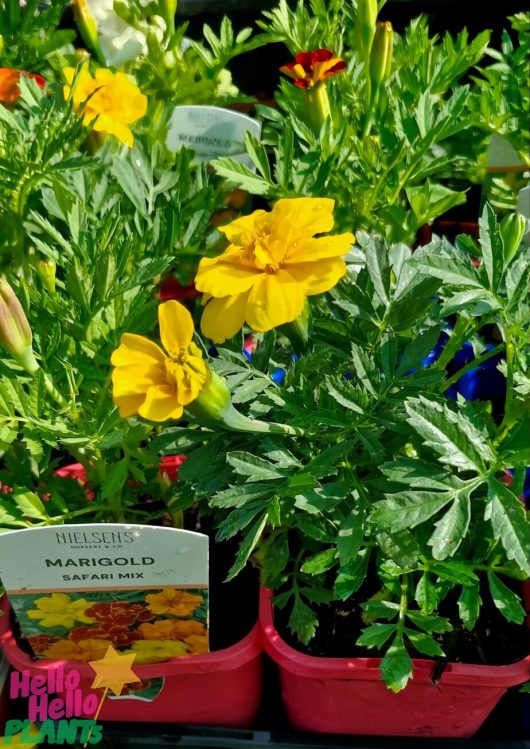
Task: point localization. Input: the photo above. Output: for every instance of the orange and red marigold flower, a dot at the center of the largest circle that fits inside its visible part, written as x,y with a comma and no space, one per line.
310,68
9,80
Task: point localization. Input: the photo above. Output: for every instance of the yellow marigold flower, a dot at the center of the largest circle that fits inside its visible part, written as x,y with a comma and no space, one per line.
272,263
110,102
58,610
170,601
197,644
156,651
171,629
91,649
155,384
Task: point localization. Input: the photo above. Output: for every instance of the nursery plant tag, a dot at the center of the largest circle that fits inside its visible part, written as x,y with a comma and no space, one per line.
502,156
140,588
211,132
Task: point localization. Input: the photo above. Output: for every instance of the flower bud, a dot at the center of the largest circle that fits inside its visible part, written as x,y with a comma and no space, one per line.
381,54
365,25
46,269
512,229
15,333
213,407
87,26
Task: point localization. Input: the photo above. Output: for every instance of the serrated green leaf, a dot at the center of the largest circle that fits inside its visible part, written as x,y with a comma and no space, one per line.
352,575
407,509
457,440
30,505
351,535
423,643
469,603
491,245
505,600
508,519
320,562
426,596
303,621
396,666
376,635
247,546
452,527
236,496
246,464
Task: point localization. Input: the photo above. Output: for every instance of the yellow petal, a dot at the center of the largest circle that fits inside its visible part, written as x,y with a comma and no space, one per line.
176,326
161,404
221,279
69,75
188,386
128,404
295,219
275,300
106,123
317,249
223,318
244,225
135,349
320,276
136,379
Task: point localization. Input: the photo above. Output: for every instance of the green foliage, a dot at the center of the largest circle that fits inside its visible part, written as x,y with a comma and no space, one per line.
392,163
391,478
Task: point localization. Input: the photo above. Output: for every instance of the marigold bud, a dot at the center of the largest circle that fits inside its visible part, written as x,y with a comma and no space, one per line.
15,333
381,54
46,269
512,229
365,25
87,26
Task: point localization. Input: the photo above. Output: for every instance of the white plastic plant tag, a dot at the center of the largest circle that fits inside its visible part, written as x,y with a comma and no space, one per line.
140,588
211,132
502,156
523,206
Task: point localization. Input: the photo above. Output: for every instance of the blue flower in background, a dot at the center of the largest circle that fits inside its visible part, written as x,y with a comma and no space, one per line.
484,382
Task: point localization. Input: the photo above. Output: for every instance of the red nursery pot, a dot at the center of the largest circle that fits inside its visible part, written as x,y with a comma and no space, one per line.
341,695
221,688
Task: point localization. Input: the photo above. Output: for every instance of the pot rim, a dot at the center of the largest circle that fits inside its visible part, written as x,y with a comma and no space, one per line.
367,668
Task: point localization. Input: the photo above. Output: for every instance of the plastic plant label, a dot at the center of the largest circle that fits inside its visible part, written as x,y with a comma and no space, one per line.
75,588
502,156
211,132
523,206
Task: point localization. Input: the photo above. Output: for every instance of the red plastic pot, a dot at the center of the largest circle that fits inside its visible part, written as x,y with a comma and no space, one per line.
221,688
341,695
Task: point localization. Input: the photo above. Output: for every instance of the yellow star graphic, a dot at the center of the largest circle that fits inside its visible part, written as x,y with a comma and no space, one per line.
114,671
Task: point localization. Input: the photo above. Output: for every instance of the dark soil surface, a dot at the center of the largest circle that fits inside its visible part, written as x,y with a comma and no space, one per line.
494,641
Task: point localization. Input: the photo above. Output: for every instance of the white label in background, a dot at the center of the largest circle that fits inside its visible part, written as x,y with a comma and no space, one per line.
211,132
106,556
502,156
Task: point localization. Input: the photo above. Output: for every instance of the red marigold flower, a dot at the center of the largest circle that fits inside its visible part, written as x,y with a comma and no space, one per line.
170,288
9,80
169,466
310,68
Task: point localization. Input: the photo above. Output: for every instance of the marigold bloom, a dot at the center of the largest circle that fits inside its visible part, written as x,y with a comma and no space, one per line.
156,651
197,644
171,629
9,80
310,68
155,384
272,263
58,610
84,650
110,102
170,601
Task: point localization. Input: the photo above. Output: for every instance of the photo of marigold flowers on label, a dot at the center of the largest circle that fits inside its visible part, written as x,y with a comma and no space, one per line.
155,625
